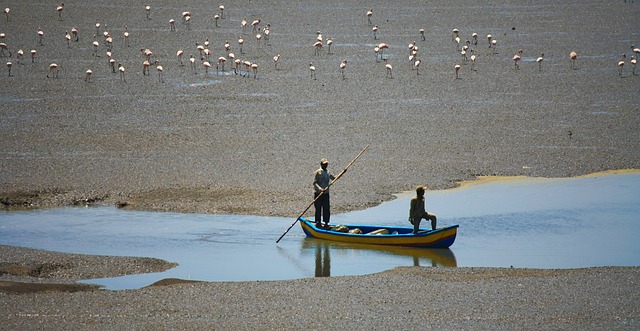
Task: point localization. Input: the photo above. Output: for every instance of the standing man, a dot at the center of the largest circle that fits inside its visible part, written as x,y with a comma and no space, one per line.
417,211
321,180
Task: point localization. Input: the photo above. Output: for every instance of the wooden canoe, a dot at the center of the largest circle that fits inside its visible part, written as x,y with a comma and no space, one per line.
384,235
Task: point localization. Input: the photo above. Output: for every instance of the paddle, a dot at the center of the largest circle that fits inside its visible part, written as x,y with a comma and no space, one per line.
319,195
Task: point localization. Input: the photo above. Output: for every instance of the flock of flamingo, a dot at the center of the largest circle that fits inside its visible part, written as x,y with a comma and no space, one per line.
103,42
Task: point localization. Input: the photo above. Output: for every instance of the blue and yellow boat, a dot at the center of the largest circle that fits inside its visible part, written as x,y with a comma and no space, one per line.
382,235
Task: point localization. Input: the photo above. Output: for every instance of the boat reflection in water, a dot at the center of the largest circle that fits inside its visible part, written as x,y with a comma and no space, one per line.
350,258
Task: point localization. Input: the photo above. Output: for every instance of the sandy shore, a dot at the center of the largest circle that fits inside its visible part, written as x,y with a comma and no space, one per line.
218,142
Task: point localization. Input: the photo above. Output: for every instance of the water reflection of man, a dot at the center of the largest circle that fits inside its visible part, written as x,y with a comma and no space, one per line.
323,261
417,211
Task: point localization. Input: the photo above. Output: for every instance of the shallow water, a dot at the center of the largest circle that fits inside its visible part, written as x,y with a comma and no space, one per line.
524,223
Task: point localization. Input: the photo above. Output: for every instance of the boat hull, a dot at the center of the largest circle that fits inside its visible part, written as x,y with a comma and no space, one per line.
392,235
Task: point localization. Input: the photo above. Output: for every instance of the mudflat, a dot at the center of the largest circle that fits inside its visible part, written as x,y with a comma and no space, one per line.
214,140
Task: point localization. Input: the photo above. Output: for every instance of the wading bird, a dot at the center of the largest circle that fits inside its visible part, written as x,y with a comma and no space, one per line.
389,70
53,71
121,70
516,59
87,76
312,70
539,60
457,68
343,67
573,56
59,10
369,15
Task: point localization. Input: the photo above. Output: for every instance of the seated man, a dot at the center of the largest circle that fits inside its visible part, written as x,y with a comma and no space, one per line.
418,212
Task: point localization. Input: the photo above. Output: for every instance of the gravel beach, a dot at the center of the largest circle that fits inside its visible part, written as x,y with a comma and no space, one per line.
218,142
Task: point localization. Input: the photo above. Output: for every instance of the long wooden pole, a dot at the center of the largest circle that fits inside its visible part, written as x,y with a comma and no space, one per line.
321,193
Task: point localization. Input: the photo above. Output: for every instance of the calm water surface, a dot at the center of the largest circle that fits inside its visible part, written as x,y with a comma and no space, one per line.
533,223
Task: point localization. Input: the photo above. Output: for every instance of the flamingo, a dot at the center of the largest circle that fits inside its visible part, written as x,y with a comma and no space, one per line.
95,44
179,54
473,60
187,22
216,17
67,37
59,10
53,70
318,47
9,64
160,71
98,27
112,64
87,77
573,56
244,24
227,46
192,60
236,65
275,61
621,64
416,64
389,70
33,55
489,37
109,42
474,38
240,43
258,37
221,61
343,67
4,47
375,31
494,44
312,69
121,70
457,68
221,9
19,56
329,43
126,35
254,67
516,58
369,15
6,12
635,50
145,67
147,53
254,25
381,48
206,66
422,34
148,10
267,34
172,25
74,32
40,37
634,62
539,60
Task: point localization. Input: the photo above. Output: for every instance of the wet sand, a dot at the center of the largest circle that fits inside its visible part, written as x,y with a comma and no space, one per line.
223,143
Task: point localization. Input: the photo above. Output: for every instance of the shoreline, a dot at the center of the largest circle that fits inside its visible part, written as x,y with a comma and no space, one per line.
15,201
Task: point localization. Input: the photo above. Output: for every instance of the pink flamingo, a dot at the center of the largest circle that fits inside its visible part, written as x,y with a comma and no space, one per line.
343,67
9,64
369,15
573,56
121,70
275,61
53,70
179,54
148,10
206,66
516,58
457,68
389,70
59,10
416,64
126,35
87,77
6,12
621,64
318,47
254,67
160,71
312,69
